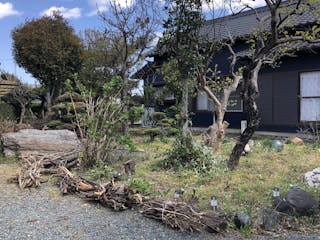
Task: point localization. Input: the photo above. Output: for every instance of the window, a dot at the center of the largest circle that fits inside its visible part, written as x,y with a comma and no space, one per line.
235,103
203,102
310,96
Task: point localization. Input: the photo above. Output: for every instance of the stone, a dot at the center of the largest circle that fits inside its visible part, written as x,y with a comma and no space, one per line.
33,141
242,220
296,141
276,145
302,202
312,178
247,148
268,219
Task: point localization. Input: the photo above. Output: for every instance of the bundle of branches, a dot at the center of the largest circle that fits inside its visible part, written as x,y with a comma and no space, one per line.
33,165
115,196
29,174
182,216
51,162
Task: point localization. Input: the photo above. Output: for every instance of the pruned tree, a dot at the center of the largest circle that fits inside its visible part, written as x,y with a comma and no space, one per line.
131,30
218,89
278,34
22,94
97,67
48,49
180,40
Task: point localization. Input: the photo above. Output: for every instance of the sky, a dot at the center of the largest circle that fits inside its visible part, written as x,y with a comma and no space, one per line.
81,15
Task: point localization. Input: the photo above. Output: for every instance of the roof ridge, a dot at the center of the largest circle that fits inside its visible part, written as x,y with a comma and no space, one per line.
237,15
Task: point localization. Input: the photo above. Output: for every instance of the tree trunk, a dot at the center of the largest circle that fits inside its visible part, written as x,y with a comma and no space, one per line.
253,124
22,113
49,99
184,110
124,95
253,114
222,126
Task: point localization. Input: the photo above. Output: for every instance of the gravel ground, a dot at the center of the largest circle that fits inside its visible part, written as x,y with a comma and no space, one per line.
44,214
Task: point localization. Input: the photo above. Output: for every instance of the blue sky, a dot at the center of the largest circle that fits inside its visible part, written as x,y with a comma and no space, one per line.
81,14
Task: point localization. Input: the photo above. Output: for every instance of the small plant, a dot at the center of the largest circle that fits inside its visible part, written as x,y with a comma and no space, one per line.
135,113
152,132
266,144
187,155
246,231
139,185
100,172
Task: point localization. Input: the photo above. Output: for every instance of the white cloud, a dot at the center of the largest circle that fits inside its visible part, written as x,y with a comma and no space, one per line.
102,5
65,12
7,9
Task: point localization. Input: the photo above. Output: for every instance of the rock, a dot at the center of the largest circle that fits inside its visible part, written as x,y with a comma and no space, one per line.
39,142
302,202
296,141
312,178
247,148
276,145
269,219
242,219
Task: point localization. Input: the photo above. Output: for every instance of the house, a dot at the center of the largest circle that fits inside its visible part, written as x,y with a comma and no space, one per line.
6,86
289,94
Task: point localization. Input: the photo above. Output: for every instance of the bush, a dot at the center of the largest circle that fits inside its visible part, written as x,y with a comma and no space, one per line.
188,155
139,185
157,116
135,113
100,172
152,132
7,111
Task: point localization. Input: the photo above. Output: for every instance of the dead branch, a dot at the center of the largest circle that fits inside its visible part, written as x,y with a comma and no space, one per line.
33,165
182,216
116,196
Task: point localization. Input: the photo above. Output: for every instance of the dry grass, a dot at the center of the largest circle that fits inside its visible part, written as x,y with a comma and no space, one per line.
248,188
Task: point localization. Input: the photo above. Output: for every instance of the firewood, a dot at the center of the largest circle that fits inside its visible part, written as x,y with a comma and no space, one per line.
115,196
33,165
182,216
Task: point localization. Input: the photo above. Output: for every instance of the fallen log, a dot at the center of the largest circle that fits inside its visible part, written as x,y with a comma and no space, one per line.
180,215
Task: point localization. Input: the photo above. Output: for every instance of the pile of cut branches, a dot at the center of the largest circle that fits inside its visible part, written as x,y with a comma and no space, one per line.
51,162
33,165
112,195
182,216
29,174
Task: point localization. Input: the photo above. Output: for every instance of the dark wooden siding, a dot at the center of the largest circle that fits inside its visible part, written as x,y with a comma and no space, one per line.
265,100
285,89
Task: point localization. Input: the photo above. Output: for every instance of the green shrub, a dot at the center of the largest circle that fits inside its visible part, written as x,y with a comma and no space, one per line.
139,185
166,122
135,113
100,172
172,112
152,132
7,111
188,155
157,116
137,131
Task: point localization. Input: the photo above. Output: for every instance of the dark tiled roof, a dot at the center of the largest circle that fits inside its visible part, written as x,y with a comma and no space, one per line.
243,24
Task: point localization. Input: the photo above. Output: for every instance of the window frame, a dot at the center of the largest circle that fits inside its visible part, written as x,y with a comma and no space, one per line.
306,97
